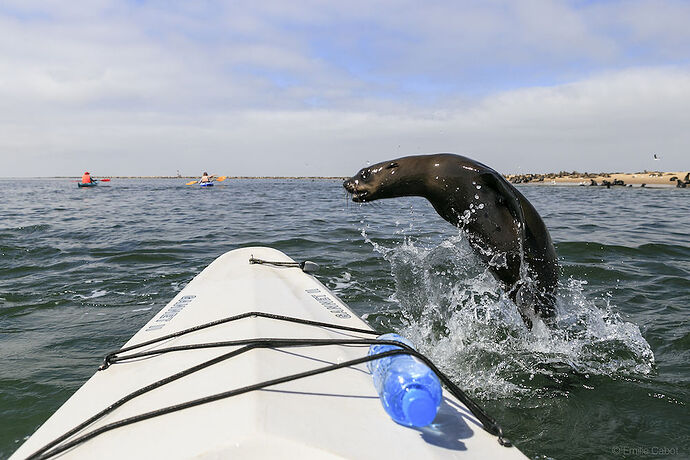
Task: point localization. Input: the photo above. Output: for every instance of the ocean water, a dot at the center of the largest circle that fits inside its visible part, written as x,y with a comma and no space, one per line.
81,270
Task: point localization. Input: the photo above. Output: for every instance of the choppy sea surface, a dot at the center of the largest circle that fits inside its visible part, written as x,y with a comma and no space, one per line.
81,270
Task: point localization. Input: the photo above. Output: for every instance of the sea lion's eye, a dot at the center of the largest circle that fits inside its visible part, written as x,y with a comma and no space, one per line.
392,165
364,174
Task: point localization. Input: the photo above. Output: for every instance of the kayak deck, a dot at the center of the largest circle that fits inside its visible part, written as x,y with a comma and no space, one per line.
332,415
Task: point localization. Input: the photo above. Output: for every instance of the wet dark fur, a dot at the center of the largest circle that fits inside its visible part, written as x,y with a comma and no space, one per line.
507,224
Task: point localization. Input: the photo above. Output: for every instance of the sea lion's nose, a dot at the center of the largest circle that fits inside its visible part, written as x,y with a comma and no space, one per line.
349,185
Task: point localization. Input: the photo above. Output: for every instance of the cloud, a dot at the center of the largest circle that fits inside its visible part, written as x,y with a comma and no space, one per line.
314,87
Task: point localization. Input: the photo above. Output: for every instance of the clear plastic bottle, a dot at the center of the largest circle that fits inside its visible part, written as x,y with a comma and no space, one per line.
409,391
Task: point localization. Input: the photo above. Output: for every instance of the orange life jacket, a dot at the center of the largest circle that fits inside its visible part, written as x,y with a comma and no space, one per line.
86,179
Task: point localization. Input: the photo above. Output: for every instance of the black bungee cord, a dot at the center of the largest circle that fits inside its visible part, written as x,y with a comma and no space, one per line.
59,445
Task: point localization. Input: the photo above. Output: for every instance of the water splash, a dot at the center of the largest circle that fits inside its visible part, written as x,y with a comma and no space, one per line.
453,309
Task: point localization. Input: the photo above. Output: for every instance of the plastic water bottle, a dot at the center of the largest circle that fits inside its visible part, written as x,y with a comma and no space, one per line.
409,391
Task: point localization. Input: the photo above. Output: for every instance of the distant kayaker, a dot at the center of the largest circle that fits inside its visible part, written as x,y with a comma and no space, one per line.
205,178
86,178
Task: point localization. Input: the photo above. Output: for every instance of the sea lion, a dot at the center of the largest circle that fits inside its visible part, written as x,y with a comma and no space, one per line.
502,225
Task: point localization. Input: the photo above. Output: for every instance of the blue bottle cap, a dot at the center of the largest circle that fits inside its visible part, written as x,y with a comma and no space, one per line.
419,407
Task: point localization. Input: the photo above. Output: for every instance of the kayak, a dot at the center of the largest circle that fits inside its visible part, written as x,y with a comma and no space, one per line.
205,184
92,184
173,391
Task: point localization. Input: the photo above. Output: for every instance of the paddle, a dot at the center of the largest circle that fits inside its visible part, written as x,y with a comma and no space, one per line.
94,180
218,179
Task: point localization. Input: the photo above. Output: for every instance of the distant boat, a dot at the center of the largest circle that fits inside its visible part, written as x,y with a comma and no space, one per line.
88,184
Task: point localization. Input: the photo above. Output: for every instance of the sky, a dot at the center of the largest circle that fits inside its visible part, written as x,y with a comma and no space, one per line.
320,88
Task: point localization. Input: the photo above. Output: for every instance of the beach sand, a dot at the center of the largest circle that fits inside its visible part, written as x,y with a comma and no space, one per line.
655,178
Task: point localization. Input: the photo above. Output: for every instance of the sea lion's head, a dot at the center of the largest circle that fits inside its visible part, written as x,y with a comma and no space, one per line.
375,182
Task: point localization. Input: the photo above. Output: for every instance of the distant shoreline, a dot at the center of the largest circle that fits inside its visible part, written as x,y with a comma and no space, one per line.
178,177
655,178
